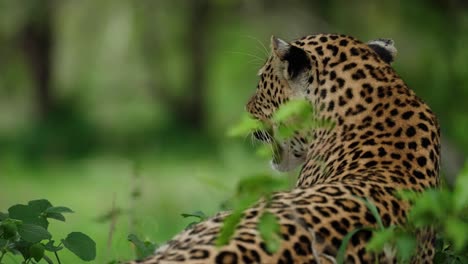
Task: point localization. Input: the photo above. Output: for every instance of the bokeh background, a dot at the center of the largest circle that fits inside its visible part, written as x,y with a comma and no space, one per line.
119,109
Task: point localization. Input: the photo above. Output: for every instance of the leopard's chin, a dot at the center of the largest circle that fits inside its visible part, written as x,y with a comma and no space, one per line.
283,159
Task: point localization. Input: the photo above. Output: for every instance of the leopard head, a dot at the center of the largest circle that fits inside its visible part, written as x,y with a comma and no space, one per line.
296,70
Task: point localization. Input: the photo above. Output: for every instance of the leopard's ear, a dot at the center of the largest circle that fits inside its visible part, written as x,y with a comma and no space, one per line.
385,48
296,59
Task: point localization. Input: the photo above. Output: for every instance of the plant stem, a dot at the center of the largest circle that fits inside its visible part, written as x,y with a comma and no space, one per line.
1,257
56,256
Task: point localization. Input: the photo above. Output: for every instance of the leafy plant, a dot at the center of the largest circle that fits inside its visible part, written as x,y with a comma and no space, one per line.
250,190
24,231
143,248
197,214
443,209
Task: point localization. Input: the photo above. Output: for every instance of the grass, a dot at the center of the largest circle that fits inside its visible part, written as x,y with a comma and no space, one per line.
169,186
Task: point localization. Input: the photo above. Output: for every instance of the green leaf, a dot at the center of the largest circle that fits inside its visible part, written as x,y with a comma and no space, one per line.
260,185
293,109
36,251
228,228
198,214
380,238
9,228
344,243
59,210
29,214
81,245
50,246
375,212
40,205
406,247
33,233
456,230
285,131
56,216
143,248
246,126
264,151
269,229
430,207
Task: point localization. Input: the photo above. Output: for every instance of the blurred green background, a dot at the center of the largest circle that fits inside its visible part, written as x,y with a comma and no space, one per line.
119,109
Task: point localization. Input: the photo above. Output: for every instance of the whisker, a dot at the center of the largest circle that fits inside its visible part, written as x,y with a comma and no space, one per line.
267,53
247,54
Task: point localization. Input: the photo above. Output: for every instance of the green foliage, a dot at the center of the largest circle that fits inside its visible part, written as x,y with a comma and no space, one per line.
24,230
80,244
143,248
197,214
443,209
249,191
269,229
245,126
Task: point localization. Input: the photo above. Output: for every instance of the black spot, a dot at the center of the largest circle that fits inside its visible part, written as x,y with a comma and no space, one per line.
297,60
332,75
370,218
398,133
370,142
367,155
340,82
344,42
382,152
354,52
400,145
389,122
407,115
323,39
349,66
386,220
349,93
370,164
422,161
343,57
423,127
323,231
287,257
359,74
394,112
379,126
418,174
425,142
331,106
319,50
323,93
410,132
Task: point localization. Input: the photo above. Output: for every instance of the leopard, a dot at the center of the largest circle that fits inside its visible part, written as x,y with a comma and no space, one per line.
383,139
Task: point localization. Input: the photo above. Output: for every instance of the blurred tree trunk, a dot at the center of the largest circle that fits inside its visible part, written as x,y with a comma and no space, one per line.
36,42
193,111
189,109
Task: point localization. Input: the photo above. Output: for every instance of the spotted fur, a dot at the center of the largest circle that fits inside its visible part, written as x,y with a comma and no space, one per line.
384,139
